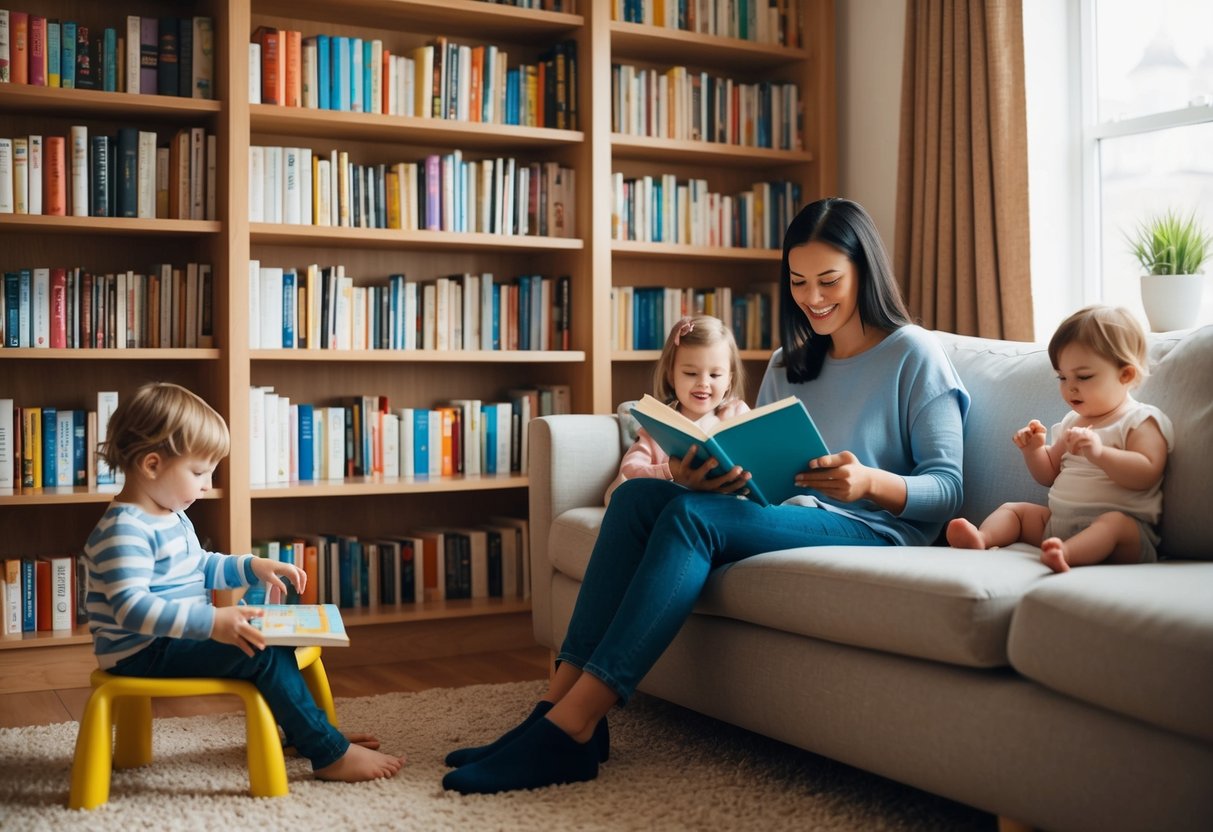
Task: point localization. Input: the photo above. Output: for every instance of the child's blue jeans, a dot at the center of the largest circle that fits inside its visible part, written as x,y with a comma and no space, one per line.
655,549
273,671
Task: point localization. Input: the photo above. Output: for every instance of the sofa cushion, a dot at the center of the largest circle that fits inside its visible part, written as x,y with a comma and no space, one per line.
1137,640
928,602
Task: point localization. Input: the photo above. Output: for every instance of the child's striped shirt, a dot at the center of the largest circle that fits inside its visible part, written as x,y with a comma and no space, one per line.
148,577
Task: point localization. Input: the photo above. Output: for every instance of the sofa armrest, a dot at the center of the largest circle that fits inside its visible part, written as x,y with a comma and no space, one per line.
570,462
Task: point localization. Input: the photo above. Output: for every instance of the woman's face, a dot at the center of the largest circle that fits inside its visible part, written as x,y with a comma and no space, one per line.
825,285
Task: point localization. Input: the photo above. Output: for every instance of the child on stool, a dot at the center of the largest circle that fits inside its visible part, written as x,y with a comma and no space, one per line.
1105,465
148,576
700,375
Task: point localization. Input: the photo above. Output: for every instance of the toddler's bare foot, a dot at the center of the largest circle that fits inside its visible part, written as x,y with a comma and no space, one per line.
358,764
964,535
1053,554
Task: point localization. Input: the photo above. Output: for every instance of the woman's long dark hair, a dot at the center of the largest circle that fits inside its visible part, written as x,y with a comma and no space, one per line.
844,225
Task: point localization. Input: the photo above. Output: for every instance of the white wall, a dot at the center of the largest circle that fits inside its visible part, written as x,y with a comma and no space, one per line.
870,36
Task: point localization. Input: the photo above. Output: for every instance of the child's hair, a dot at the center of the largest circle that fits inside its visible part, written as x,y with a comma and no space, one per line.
1110,331
697,331
167,419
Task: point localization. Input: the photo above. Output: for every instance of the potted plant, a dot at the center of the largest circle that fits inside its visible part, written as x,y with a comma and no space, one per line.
1171,249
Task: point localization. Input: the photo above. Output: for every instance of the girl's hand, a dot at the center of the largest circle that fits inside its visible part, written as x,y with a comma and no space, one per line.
268,571
838,476
232,627
1084,442
684,472
1030,437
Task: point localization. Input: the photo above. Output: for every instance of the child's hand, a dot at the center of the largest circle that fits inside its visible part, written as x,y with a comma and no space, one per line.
1084,442
838,476
268,571
232,627
684,472
1031,437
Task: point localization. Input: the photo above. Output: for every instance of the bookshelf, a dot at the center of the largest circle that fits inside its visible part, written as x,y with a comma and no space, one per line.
45,521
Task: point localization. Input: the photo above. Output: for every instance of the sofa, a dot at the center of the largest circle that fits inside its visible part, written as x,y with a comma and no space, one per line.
1080,701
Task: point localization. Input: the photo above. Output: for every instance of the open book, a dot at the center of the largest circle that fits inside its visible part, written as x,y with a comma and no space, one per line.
294,625
774,443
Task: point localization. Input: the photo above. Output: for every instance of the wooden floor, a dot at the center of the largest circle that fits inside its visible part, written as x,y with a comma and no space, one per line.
45,707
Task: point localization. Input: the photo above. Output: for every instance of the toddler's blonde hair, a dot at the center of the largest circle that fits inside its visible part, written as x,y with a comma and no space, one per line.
1111,331
705,331
167,419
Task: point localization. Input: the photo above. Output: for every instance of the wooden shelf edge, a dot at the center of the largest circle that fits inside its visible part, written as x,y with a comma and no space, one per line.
364,486
51,224
423,356
47,638
64,495
682,251
327,235
16,97
432,610
454,16
626,146
648,356
141,354
664,43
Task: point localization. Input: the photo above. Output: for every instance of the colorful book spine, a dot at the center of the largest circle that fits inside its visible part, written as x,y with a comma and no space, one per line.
54,54
67,63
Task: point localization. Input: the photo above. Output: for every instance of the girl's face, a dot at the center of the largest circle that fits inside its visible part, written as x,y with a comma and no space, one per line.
173,483
701,377
1092,385
825,285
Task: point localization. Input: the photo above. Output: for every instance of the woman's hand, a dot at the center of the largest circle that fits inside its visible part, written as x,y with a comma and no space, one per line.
268,571
839,476
232,627
685,473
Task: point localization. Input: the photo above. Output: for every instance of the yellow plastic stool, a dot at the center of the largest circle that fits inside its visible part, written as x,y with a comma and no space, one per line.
124,703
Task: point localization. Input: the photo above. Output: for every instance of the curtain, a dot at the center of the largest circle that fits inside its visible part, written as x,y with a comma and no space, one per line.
962,183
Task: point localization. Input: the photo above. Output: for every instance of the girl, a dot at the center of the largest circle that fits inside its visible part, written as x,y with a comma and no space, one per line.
148,576
1106,462
700,375
877,386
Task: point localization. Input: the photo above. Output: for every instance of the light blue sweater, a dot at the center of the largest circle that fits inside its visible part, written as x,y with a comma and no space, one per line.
147,577
900,407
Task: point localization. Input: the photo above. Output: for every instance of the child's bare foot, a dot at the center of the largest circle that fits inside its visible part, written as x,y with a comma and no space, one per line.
358,764
964,535
1053,554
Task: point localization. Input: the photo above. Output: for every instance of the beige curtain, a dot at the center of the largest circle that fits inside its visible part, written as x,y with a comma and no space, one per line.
962,183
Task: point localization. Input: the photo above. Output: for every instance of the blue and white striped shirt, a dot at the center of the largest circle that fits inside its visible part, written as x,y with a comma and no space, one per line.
148,576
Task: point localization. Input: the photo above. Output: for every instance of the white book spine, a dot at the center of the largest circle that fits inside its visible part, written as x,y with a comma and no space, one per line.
61,594
41,308
6,444
6,176
291,185
283,424
212,163
145,177
391,444
306,206
335,443
21,176
197,173
256,463
271,308
5,76
256,182
34,200
79,170
271,435
133,53
254,73
64,438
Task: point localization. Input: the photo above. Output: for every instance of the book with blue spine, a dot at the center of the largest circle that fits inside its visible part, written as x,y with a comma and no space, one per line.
421,442
324,73
306,442
773,443
50,437
67,65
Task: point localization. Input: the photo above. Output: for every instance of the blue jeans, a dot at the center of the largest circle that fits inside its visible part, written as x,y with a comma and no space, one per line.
656,547
273,671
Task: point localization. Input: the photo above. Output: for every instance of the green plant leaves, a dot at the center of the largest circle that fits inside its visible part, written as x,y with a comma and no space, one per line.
1170,244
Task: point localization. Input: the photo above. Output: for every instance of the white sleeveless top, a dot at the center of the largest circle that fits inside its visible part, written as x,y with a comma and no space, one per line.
1083,485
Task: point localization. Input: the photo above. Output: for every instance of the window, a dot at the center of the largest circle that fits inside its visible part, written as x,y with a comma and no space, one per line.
1147,133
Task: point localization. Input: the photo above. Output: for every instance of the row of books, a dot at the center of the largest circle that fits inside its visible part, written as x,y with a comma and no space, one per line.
568,6
441,79
363,436
642,316
74,308
126,175
764,21
321,308
683,104
661,209
49,447
446,192
488,559
148,55
40,594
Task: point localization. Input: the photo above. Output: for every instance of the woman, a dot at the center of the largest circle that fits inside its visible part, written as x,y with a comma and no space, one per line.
882,393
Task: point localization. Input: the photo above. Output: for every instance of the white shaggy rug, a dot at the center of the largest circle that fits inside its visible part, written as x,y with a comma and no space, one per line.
670,769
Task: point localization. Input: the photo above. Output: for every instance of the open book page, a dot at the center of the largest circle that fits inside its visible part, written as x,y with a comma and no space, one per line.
773,443
301,624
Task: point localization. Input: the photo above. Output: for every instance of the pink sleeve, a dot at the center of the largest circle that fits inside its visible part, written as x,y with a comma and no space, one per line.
644,459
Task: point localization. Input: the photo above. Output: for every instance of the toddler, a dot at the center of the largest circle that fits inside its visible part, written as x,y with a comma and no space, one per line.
1105,465
700,375
148,576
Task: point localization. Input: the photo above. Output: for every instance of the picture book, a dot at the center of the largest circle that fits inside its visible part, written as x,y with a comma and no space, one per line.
299,624
773,443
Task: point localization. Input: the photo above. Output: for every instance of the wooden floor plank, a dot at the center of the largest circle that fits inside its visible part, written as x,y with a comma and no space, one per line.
19,709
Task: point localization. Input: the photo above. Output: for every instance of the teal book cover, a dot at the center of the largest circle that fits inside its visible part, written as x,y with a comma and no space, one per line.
773,443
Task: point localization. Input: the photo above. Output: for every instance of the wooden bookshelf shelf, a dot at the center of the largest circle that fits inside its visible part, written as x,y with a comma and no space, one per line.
320,235
424,356
122,226
364,486
110,105
673,46
649,357
69,495
680,251
302,121
676,150
430,610
141,354
46,638
446,16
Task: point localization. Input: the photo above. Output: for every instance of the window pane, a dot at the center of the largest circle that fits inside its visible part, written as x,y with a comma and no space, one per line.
1144,175
1152,57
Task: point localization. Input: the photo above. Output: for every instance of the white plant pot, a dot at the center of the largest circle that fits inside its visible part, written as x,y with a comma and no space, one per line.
1172,301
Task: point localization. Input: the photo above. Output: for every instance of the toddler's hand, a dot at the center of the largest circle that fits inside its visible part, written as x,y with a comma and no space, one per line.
685,473
232,627
268,571
1084,442
1030,437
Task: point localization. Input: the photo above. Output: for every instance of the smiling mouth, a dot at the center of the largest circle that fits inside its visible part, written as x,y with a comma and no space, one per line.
821,313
